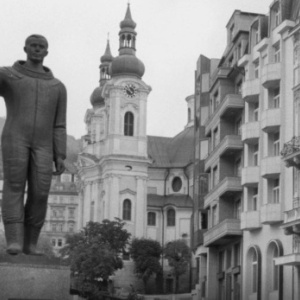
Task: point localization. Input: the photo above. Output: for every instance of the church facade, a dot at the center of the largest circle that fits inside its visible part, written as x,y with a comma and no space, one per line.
146,181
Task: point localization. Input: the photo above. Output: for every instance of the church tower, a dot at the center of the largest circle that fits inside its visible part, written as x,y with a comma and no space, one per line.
114,162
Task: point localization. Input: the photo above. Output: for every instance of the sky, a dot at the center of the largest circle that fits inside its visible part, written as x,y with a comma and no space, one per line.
171,34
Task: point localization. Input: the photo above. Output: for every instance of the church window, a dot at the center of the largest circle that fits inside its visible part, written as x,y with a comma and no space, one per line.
128,124
151,218
176,184
127,210
171,217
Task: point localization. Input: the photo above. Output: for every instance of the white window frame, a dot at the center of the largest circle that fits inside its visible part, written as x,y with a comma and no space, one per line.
276,191
276,145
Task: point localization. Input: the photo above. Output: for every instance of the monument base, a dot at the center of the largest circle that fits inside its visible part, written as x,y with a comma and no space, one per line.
33,278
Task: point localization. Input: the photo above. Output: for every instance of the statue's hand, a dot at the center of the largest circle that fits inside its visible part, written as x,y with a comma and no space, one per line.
59,166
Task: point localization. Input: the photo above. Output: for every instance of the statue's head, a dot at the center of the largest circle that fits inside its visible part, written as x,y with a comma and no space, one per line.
36,48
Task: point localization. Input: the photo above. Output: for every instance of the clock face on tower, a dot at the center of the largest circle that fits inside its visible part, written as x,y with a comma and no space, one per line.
130,90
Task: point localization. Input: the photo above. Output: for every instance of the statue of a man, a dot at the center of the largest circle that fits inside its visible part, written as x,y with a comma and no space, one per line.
34,136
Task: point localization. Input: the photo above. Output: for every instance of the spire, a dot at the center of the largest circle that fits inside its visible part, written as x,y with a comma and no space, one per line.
107,57
128,22
106,60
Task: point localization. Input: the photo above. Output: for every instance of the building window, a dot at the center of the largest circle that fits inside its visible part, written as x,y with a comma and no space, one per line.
256,69
216,99
151,218
254,272
231,32
71,227
238,126
60,227
277,53
127,210
276,191
215,137
71,213
92,211
59,242
53,242
237,209
276,144
237,255
276,98
53,227
214,216
176,184
254,199
215,176
189,115
128,124
171,217
255,154
277,15
255,112
238,167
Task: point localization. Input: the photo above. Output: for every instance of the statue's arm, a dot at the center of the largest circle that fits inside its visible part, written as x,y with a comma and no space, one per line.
60,132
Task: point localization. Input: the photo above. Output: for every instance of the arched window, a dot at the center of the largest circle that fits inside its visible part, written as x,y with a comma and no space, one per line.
171,217
151,218
253,272
274,272
128,124
127,210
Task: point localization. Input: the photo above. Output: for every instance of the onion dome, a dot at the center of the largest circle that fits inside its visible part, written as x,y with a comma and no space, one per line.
128,22
96,98
107,56
127,63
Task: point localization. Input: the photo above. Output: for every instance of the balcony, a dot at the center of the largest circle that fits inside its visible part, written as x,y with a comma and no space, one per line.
271,119
230,145
244,60
223,232
291,223
221,72
291,153
227,186
271,74
270,166
271,213
292,259
250,220
250,176
251,90
250,132
228,107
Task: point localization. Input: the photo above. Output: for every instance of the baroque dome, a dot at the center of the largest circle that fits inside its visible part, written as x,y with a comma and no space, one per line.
127,64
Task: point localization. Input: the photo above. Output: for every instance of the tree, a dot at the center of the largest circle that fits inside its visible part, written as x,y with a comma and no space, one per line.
94,255
178,255
146,254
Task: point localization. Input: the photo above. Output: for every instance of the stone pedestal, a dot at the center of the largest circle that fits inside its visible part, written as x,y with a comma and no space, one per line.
33,278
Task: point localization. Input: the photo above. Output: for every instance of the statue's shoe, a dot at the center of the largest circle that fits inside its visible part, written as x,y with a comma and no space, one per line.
31,250
14,249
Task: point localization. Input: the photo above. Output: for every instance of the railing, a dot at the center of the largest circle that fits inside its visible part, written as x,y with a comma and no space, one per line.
291,147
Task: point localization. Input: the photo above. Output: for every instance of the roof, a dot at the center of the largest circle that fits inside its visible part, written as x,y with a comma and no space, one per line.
172,152
180,201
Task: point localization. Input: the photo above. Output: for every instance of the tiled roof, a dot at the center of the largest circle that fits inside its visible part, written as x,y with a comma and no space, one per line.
174,200
172,152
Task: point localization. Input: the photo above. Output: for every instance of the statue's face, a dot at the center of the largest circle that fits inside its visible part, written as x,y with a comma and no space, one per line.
36,49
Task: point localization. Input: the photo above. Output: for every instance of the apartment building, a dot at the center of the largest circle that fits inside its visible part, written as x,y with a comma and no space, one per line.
63,213
249,248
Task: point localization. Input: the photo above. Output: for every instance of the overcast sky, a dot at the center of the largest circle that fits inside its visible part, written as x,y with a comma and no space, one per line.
171,36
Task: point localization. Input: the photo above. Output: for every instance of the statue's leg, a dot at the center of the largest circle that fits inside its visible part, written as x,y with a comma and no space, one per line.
39,181
15,165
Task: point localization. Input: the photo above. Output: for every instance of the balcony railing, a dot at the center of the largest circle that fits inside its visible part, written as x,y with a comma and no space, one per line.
230,102
227,185
271,75
229,228
228,143
291,152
